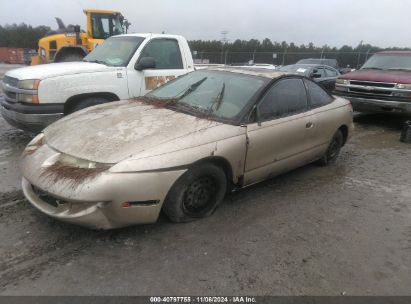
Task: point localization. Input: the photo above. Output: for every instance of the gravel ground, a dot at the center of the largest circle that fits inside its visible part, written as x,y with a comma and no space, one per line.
344,229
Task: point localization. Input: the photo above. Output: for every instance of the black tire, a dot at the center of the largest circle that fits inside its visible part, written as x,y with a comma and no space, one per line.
88,102
70,57
333,149
196,194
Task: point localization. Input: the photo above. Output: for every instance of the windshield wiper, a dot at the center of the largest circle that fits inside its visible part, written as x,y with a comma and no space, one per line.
190,108
191,88
218,100
96,61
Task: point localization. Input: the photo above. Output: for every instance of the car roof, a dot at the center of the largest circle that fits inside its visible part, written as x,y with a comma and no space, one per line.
271,74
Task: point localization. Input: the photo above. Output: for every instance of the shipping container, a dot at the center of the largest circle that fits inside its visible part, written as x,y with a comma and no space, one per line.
12,55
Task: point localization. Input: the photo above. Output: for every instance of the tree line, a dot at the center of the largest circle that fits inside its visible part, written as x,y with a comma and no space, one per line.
22,35
238,51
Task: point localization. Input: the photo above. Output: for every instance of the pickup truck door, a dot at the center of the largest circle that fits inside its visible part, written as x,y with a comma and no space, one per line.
170,64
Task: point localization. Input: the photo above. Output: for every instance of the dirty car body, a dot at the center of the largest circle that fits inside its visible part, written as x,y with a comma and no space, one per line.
175,149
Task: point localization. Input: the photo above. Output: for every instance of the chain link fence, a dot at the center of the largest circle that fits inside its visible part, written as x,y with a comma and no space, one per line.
352,59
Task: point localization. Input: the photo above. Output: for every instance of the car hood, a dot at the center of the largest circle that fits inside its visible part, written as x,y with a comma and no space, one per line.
379,76
116,131
57,69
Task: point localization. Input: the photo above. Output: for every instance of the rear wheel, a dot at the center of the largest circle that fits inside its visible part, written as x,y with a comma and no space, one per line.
333,149
196,194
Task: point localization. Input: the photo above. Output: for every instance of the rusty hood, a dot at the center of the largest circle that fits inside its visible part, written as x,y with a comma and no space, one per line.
116,131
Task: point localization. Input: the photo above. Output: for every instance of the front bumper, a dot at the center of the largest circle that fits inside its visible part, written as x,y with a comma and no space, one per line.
32,118
372,105
96,202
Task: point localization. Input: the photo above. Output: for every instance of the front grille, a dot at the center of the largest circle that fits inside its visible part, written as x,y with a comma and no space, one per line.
13,82
10,95
372,84
372,92
47,198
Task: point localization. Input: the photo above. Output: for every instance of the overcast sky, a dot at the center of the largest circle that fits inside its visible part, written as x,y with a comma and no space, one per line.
333,22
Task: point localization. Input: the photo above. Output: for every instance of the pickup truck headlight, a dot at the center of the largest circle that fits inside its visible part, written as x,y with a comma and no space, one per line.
342,81
401,86
27,98
30,84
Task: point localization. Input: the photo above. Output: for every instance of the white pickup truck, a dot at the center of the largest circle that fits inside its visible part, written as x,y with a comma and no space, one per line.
123,67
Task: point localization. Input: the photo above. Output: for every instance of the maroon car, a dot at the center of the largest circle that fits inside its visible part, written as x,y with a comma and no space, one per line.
383,84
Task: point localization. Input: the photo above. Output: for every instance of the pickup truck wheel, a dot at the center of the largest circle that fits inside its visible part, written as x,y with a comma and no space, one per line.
333,149
196,194
88,102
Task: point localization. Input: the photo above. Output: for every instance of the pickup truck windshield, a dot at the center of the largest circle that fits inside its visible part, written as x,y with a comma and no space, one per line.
115,51
209,93
388,62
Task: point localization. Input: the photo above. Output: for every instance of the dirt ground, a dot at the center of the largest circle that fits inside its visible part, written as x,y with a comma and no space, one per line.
344,229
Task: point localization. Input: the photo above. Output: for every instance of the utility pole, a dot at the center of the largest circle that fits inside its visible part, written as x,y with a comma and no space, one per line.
223,40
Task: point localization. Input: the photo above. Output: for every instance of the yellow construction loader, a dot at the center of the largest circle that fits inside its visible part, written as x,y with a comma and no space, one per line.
72,44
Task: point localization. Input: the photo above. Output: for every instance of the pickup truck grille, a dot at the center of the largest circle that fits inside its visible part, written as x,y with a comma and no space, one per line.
10,82
13,82
374,92
368,88
373,84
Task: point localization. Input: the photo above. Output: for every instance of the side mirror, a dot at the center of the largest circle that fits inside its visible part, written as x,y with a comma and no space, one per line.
145,63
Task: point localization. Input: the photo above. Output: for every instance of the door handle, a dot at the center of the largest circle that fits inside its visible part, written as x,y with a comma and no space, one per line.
309,125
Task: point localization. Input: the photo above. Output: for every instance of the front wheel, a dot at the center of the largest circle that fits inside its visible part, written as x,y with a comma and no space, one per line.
333,149
196,194
88,102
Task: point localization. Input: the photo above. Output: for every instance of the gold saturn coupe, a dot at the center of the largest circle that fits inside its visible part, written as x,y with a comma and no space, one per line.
182,147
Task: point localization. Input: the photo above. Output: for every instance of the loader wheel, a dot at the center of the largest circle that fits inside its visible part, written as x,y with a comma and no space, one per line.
70,57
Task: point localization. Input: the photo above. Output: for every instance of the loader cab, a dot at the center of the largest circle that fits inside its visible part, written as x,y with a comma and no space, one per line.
102,24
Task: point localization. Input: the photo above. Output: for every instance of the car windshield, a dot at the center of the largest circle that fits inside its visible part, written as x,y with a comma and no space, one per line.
296,69
210,93
388,62
115,51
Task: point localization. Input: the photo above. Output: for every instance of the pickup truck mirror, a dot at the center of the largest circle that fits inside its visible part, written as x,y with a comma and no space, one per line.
145,63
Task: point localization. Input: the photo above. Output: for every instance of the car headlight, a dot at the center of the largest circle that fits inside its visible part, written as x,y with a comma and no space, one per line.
401,86
34,144
342,81
27,98
81,163
30,84
38,140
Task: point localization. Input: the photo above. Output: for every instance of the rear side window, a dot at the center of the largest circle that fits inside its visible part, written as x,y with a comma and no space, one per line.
165,52
319,71
330,73
286,97
318,97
